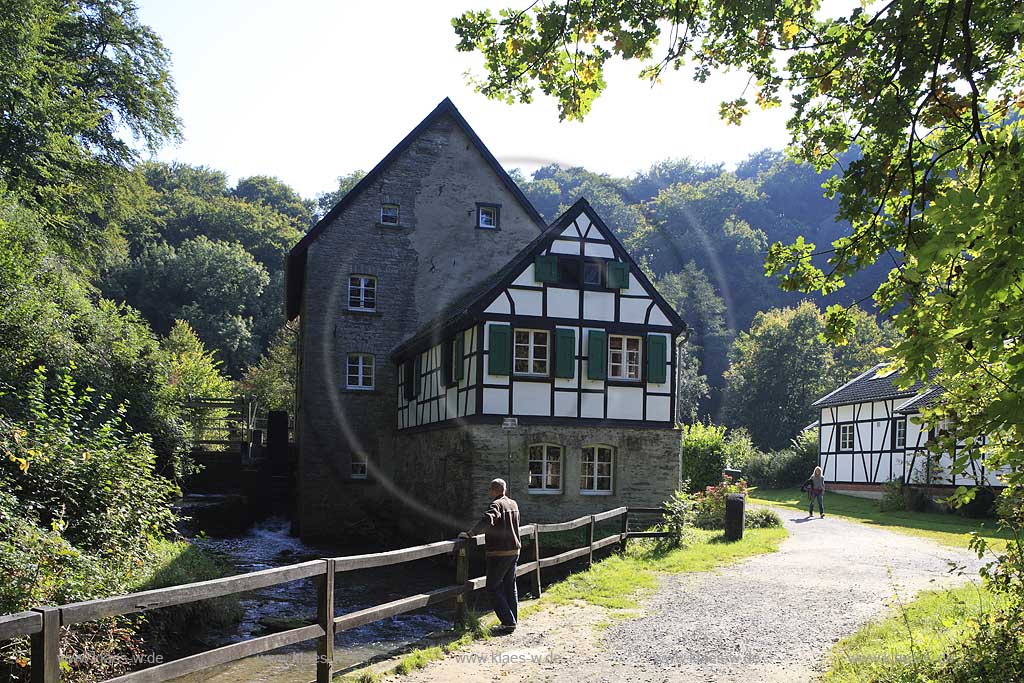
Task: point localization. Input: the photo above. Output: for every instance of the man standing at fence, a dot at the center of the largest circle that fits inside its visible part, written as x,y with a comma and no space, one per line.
500,525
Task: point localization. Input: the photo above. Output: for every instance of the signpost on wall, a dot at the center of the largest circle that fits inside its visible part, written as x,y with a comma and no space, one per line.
508,424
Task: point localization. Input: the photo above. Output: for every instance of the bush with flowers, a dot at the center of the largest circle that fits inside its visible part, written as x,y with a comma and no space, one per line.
709,504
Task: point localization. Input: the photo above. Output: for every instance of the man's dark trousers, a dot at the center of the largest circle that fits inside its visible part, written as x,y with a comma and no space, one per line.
501,586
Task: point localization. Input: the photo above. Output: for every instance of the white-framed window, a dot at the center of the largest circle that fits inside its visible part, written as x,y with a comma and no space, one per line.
545,468
899,433
362,293
624,357
486,216
846,437
359,371
358,466
531,352
596,470
389,214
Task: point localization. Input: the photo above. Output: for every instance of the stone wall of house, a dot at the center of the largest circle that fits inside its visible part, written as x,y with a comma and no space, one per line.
448,471
434,256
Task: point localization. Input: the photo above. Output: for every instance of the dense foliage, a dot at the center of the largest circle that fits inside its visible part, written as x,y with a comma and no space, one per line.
782,364
928,94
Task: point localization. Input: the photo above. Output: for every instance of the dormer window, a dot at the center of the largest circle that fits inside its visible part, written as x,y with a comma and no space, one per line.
389,214
362,293
487,216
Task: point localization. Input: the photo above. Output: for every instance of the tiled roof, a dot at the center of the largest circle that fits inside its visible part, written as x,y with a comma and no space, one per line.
873,385
926,400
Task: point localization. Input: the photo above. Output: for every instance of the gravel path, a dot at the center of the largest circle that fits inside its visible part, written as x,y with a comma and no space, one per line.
770,618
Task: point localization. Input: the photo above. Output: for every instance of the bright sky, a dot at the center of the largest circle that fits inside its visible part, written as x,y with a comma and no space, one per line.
312,89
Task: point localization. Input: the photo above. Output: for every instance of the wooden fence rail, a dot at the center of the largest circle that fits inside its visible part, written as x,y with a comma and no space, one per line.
44,624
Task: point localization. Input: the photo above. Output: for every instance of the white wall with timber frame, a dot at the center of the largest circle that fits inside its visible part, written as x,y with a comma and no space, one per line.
875,457
527,304
435,400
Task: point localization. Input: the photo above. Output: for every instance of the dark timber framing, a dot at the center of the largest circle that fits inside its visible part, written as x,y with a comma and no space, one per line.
431,405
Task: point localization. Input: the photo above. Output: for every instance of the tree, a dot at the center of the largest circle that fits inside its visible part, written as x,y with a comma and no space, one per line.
779,367
930,94
75,78
213,286
272,379
269,191
692,295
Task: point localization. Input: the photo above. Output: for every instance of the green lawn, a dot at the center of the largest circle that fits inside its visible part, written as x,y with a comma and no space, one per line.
948,529
914,635
620,582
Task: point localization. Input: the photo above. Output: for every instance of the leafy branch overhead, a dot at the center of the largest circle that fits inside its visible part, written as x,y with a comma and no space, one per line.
927,95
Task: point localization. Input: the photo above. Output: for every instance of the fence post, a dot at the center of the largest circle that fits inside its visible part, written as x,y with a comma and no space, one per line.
325,617
590,534
461,577
625,531
45,648
536,558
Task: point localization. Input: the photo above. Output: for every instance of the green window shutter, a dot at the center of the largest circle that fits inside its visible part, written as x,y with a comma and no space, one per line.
459,362
545,268
657,357
565,353
499,349
416,380
597,354
618,275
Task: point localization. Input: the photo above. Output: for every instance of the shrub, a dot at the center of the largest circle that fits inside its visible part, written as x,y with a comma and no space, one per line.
779,469
710,504
678,515
702,452
762,518
739,448
892,496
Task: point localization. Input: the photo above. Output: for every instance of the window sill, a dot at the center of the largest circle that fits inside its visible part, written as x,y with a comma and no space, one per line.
619,382
358,390
393,226
363,311
488,228
597,493
531,378
543,492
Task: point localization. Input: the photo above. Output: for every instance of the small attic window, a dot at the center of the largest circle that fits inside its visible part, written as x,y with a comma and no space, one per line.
487,216
389,214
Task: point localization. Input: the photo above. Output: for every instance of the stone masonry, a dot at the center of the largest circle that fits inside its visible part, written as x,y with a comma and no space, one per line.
435,255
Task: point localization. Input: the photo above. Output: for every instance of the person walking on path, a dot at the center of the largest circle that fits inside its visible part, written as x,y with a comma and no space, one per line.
815,488
500,525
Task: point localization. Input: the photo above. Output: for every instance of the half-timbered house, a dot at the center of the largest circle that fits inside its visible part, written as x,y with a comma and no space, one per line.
871,433
449,336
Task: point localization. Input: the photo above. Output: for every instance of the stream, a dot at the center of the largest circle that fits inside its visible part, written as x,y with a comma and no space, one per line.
268,544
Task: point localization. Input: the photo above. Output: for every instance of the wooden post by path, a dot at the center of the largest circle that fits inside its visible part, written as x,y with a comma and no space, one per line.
625,531
325,618
536,558
590,541
45,648
461,577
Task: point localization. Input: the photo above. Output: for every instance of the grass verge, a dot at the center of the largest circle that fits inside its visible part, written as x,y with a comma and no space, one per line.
947,529
915,635
620,582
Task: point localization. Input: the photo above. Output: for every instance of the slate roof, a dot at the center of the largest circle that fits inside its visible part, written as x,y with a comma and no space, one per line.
455,316
927,399
295,263
869,386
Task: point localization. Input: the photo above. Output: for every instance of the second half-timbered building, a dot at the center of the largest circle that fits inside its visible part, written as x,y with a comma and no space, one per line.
871,433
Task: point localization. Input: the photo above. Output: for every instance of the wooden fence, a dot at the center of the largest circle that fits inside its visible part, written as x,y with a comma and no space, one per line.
44,624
